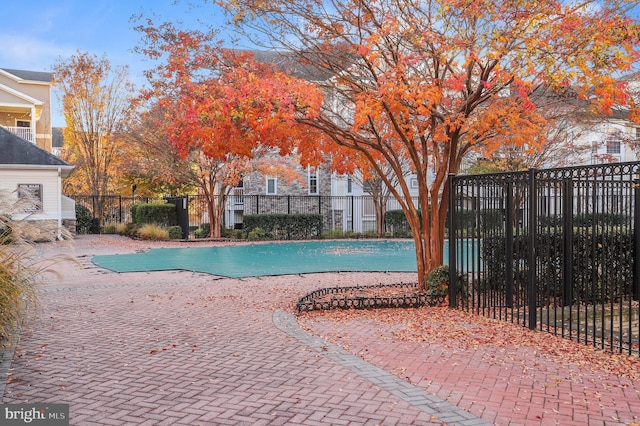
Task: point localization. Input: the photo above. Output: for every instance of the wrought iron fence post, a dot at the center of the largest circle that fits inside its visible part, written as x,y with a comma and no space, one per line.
636,239
567,241
532,276
353,218
509,245
453,244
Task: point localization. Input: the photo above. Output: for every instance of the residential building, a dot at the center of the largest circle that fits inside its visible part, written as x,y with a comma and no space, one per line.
25,105
27,170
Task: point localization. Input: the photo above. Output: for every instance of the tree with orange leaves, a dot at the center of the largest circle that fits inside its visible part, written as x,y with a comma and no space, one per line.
223,108
430,81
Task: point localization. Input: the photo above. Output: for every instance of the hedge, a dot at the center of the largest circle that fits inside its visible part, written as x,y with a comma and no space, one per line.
395,221
154,213
285,226
602,263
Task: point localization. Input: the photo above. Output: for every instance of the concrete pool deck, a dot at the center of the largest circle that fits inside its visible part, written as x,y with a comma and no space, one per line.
194,349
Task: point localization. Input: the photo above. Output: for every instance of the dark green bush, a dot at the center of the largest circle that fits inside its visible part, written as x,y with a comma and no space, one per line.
202,231
236,234
175,233
134,209
155,213
601,264
586,220
257,233
95,227
286,226
396,222
84,219
438,281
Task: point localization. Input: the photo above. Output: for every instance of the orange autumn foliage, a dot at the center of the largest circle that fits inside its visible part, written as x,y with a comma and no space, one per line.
223,109
428,82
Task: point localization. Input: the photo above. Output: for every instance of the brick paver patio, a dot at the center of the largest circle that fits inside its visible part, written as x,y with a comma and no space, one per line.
188,348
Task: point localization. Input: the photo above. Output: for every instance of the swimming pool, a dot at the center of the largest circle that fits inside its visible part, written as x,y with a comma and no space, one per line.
283,258
278,258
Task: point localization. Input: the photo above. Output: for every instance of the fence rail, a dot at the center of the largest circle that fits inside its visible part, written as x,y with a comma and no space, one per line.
340,213
554,250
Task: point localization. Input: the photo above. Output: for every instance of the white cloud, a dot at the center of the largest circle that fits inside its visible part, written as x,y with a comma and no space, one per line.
29,53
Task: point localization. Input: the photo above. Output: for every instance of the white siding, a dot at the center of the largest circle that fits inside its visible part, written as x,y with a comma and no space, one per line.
9,180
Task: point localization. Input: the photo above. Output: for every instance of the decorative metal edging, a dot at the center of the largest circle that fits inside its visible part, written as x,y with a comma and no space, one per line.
310,302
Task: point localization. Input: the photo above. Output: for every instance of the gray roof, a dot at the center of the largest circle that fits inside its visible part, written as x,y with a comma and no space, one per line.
46,77
15,150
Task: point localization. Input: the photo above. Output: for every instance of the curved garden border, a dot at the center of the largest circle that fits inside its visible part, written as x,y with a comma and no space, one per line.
348,298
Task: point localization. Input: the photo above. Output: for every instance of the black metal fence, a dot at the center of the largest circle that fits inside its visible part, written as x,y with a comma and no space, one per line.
340,213
554,250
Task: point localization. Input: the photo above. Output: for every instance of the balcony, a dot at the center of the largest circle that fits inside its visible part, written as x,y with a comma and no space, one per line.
24,132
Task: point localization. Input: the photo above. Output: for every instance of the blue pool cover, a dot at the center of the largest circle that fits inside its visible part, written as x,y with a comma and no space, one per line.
280,258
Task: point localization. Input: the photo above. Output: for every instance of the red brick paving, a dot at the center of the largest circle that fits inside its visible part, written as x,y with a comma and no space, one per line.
502,386
185,348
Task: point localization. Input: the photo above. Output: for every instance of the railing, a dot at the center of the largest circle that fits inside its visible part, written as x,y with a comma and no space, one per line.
24,132
553,250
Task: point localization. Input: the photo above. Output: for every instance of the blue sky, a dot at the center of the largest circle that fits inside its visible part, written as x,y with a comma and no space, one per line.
36,33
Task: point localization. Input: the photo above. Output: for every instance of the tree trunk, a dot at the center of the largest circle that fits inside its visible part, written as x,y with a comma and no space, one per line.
380,212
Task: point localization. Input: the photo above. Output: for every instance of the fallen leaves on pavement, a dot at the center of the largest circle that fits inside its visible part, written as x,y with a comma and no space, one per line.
458,330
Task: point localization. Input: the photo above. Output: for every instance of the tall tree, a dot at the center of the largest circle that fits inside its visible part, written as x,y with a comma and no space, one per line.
97,102
430,81
223,108
155,166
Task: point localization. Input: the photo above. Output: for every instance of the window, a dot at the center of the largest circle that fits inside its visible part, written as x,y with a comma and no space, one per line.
313,182
272,186
33,192
594,147
613,146
349,184
414,183
22,123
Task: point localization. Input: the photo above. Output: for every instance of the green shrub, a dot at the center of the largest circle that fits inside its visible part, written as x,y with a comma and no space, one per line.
175,233
438,281
257,234
396,222
155,213
84,219
333,234
236,234
134,210
95,227
202,231
286,226
601,263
